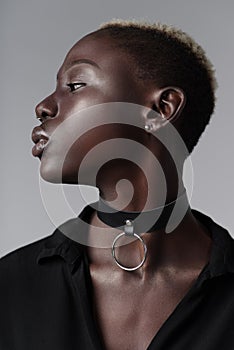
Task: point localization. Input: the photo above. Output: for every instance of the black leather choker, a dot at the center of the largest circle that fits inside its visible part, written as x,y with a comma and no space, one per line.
133,223
154,219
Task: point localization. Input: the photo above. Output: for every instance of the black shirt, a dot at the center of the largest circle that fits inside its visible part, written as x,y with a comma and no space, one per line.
46,293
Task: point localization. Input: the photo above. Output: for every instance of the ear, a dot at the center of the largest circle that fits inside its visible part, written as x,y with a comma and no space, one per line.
169,102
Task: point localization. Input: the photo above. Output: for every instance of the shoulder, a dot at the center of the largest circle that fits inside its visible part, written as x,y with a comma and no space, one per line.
23,259
37,262
26,257
24,277
20,276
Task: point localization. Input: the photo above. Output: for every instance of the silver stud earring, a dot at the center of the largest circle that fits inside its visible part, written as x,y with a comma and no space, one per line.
148,127
154,121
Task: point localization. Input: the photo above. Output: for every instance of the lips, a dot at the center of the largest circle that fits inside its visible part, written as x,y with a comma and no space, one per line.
40,138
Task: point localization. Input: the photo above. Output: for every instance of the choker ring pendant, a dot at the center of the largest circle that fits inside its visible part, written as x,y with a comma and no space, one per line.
129,231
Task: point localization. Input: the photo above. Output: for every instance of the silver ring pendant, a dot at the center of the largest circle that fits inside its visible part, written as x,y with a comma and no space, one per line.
114,256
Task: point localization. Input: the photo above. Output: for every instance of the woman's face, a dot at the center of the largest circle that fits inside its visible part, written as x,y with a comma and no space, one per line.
93,73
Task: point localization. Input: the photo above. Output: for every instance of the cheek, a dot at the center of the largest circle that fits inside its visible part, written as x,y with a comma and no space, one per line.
79,162
81,144
84,98
65,159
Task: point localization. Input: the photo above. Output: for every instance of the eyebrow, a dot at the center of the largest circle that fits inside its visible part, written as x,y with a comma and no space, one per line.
80,61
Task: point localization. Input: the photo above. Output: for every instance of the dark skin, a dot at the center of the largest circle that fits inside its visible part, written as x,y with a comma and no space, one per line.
129,307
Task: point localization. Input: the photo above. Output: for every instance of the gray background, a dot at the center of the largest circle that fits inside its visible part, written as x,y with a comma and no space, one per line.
35,36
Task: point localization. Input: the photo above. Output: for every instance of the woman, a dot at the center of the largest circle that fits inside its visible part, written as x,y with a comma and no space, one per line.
113,278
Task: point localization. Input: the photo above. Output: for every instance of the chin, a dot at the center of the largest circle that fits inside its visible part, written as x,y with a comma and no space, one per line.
50,170
51,173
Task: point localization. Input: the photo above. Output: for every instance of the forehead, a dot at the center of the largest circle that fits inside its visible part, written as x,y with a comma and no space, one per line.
101,50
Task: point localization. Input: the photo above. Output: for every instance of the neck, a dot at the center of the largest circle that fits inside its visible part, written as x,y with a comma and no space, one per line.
124,186
147,220
126,189
186,247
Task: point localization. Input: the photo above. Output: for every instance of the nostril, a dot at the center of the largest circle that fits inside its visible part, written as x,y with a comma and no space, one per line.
44,114
46,108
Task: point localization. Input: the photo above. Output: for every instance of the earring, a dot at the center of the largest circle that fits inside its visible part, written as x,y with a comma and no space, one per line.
148,127
154,121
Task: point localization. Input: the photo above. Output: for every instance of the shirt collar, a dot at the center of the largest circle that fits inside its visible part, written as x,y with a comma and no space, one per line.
61,246
222,251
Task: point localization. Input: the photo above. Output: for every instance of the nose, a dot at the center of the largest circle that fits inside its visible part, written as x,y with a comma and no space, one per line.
47,108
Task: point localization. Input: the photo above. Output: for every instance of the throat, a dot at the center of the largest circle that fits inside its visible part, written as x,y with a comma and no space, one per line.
187,248
130,313
144,221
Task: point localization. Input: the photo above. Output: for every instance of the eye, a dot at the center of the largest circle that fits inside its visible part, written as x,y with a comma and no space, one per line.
75,86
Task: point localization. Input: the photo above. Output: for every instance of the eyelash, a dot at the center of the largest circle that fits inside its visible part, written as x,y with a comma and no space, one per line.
72,86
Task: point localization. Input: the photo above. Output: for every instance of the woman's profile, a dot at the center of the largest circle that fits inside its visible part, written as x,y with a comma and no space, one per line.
139,96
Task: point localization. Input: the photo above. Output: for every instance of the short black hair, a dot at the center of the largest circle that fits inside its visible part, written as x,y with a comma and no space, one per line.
170,57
